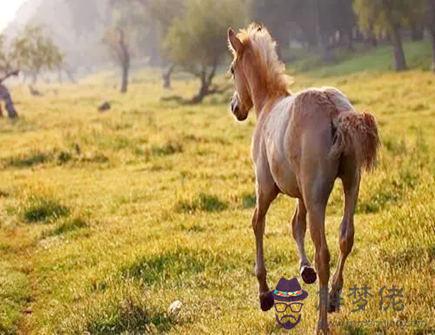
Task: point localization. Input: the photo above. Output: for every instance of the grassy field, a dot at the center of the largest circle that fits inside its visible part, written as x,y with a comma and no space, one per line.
107,218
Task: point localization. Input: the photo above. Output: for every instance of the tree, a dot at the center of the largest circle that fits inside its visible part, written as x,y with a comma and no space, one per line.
196,41
5,57
165,12
161,14
119,48
6,97
34,52
388,16
124,36
6,71
317,23
276,15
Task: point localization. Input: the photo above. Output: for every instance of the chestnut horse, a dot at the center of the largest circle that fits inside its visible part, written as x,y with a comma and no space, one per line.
301,144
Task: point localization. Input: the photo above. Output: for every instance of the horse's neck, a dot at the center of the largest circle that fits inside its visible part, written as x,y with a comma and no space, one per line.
262,98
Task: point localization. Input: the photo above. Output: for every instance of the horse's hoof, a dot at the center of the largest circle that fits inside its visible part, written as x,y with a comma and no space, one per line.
332,308
266,301
334,302
308,274
322,330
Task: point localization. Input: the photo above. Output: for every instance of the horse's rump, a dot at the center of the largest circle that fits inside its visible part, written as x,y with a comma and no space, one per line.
355,134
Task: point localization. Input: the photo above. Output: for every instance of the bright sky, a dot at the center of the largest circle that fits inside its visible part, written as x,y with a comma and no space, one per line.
8,8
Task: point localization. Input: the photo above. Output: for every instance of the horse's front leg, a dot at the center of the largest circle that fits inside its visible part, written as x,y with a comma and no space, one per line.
265,196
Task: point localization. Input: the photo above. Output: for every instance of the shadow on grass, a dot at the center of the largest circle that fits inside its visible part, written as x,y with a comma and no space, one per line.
203,202
130,317
39,209
248,200
27,160
169,148
67,226
55,156
176,267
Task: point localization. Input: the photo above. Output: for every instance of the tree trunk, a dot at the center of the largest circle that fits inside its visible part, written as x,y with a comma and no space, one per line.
399,55
416,32
394,35
206,80
350,40
124,82
322,35
372,37
36,76
432,34
70,75
166,76
203,92
431,26
203,89
124,58
9,105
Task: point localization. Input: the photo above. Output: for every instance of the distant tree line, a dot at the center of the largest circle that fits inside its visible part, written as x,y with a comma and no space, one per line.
330,24
187,34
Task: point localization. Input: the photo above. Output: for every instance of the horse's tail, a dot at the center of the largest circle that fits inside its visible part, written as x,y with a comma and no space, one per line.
356,134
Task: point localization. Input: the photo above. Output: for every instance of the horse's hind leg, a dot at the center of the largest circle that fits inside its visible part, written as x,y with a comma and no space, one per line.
265,195
316,220
299,227
317,182
351,179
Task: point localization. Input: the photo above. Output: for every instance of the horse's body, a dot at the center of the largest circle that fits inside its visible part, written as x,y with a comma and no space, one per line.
301,144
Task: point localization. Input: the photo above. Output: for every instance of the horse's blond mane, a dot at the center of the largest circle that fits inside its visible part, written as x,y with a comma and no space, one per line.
264,46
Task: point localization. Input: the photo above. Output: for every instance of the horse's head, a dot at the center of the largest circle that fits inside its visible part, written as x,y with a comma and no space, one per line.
241,103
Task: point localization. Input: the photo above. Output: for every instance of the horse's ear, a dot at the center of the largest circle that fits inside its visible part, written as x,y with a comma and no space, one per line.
233,41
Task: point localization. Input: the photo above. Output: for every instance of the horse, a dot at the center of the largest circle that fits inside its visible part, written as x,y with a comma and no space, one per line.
301,144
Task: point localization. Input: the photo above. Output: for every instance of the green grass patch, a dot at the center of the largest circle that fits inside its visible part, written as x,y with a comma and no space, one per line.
176,267
129,316
418,55
14,296
41,209
27,160
248,200
169,148
69,225
203,202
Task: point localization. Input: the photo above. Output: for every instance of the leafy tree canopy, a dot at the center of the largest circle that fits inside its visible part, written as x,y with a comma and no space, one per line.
198,39
382,16
33,51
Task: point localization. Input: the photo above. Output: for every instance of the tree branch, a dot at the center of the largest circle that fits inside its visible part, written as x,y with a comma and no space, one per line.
9,74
